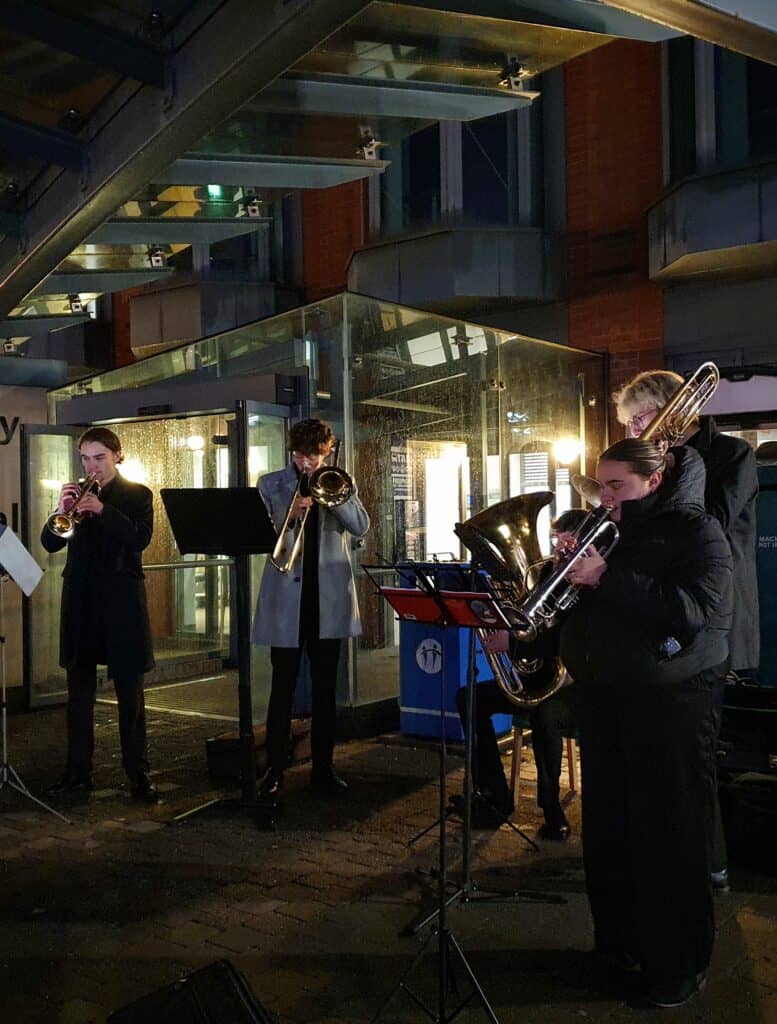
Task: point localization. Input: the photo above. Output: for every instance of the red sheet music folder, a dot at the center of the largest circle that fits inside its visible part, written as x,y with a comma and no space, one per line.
448,607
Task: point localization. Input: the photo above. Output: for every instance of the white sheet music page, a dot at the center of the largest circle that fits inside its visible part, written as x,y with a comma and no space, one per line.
18,562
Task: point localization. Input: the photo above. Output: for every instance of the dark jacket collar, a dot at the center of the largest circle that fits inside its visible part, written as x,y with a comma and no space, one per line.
703,438
681,488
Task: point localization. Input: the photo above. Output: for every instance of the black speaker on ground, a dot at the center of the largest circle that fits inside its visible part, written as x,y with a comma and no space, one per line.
216,994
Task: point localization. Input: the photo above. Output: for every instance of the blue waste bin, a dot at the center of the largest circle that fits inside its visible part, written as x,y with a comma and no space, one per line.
426,652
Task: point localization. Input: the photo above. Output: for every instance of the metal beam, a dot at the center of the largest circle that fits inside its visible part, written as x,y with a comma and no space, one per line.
101,46
747,26
76,282
218,66
174,230
583,15
297,93
30,326
46,144
257,171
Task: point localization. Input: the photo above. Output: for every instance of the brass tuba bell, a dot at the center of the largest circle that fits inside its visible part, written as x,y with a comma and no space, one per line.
503,540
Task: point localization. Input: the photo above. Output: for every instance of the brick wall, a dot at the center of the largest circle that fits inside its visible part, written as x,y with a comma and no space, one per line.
332,227
613,174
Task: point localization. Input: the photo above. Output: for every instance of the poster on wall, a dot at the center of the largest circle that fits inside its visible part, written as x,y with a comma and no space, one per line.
400,473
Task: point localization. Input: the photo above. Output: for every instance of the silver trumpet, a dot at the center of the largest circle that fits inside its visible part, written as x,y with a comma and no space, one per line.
551,597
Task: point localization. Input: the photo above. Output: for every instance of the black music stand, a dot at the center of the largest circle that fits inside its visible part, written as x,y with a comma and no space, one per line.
430,607
17,564
473,609
227,521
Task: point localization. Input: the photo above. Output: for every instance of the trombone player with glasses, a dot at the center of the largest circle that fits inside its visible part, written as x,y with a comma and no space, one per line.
307,598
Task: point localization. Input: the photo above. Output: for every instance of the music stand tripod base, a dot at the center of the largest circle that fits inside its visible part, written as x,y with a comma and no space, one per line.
19,565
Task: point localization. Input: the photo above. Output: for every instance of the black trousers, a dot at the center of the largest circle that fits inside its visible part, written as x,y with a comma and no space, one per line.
81,690
550,721
487,771
719,856
324,656
647,796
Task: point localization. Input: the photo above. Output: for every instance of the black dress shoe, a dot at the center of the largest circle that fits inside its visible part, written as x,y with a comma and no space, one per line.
328,783
719,881
668,994
144,790
270,788
556,827
71,784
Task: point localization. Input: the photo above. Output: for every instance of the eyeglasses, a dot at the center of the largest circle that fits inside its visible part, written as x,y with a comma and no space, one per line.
641,419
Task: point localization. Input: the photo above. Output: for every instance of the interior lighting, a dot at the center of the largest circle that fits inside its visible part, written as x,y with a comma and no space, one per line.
195,443
566,450
132,469
215,191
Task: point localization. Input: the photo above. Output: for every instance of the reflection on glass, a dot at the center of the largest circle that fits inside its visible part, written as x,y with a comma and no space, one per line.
439,419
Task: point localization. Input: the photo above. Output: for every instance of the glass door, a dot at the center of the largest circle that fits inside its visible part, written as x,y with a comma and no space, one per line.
49,459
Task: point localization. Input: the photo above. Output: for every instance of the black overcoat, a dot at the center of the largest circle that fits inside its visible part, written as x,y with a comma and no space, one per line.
730,495
669,576
104,572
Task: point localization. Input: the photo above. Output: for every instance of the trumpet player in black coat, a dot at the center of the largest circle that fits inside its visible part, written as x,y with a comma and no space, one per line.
104,617
646,643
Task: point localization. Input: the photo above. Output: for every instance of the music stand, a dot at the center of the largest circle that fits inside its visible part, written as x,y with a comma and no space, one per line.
473,609
429,607
227,521
16,563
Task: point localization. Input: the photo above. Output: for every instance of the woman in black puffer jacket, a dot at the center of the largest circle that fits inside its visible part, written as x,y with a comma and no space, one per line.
646,643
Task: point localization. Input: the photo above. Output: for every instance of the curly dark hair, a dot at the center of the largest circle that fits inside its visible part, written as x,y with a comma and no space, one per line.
308,437
103,436
643,457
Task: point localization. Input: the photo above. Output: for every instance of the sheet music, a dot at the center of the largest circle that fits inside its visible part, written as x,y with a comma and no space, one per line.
18,562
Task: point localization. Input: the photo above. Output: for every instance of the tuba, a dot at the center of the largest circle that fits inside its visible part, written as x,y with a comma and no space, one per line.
328,486
63,524
503,540
683,407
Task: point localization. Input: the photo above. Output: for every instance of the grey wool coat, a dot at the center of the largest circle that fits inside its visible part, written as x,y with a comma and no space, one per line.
276,623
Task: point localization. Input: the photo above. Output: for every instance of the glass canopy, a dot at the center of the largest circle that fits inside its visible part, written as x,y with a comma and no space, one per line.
439,418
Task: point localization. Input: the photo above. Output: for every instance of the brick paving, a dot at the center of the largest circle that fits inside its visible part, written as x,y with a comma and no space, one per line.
122,901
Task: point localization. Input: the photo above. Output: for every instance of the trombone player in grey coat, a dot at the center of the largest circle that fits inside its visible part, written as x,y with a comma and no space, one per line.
308,603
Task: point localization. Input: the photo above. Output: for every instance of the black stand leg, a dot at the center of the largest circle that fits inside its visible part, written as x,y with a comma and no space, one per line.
8,774
247,756
469,891
447,946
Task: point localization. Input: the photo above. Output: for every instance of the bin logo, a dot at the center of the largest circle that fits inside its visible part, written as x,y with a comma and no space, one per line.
428,656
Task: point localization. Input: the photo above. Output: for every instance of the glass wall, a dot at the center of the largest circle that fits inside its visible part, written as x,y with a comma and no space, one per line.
439,419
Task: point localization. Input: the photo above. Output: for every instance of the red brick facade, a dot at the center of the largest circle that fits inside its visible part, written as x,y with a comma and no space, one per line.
332,227
613,174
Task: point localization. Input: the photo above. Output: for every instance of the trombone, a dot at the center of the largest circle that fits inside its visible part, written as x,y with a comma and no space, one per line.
328,486
63,524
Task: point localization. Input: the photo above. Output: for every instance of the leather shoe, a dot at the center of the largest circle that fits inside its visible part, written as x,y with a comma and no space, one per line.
71,784
674,993
270,788
328,783
556,827
144,790
719,881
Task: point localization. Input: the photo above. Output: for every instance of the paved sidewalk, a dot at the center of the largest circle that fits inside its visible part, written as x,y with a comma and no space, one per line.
120,902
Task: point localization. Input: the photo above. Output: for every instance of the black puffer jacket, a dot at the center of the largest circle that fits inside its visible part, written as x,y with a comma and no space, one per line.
669,576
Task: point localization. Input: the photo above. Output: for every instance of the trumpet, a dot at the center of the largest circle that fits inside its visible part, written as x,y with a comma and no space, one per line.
328,486
63,524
